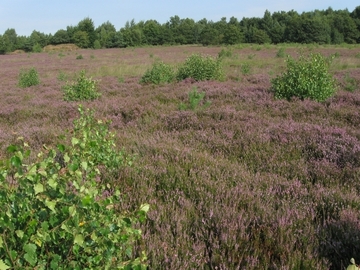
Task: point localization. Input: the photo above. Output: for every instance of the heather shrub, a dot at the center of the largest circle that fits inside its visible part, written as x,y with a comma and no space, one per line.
195,99
340,238
79,57
350,84
28,78
84,88
55,214
159,73
201,68
307,77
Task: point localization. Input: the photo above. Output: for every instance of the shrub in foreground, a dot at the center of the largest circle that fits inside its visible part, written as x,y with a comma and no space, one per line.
84,88
28,78
159,73
56,214
307,77
201,68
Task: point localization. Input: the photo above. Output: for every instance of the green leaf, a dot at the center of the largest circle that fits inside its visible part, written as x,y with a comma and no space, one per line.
30,255
72,210
79,239
61,147
13,254
66,158
73,167
84,165
145,207
94,236
38,188
15,161
19,233
3,266
74,141
42,172
32,170
45,225
11,148
87,200
65,228
1,242
51,205
31,259
54,264
52,182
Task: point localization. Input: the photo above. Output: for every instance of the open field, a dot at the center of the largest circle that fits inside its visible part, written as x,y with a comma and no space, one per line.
248,183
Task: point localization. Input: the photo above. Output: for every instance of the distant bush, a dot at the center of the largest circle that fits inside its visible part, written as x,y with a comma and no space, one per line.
28,78
307,77
83,89
280,53
245,69
55,214
97,45
225,53
37,48
79,57
121,79
159,73
62,76
194,101
201,68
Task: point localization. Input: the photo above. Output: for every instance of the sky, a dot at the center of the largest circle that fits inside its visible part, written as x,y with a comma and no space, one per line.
49,16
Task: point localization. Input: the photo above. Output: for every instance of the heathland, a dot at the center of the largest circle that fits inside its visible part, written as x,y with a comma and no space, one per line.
246,182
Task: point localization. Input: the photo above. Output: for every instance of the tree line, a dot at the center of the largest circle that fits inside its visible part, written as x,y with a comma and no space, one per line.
320,26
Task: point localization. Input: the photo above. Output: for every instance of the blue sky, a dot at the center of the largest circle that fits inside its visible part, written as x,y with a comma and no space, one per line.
48,16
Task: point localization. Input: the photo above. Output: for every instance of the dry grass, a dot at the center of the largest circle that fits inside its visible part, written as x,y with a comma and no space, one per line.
60,48
18,52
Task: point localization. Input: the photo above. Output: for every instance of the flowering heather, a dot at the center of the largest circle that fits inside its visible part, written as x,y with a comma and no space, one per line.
249,182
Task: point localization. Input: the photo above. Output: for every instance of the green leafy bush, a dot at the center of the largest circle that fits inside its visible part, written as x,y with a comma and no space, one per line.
307,77
83,89
225,53
79,57
28,78
55,214
251,56
245,69
280,53
159,73
62,76
195,99
201,68
97,45
37,48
